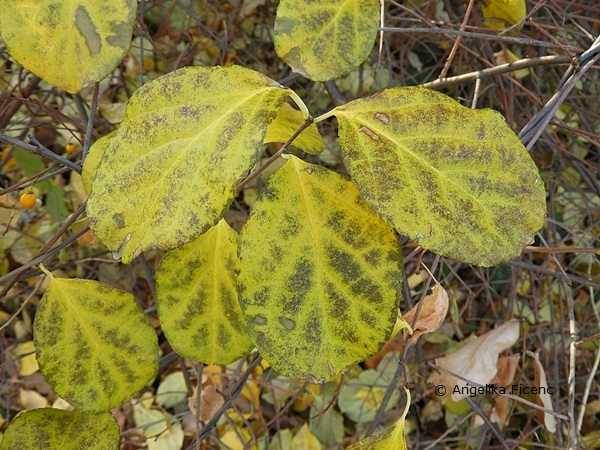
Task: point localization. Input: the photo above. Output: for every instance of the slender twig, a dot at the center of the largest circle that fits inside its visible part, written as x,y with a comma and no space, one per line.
533,249
17,273
233,394
457,42
492,37
573,430
90,125
489,423
499,70
29,297
41,150
308,122
42,255
536,126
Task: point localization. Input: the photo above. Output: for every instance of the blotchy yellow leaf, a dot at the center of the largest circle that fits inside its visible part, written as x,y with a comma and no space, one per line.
55,429
69,44
431,314
320,273
390,439
511,11
476,360
325,39
169,172
197,300
94,345
288,120
455,179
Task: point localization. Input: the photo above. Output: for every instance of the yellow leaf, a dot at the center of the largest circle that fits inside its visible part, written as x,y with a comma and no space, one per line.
501,11
161,430
314,259
68,44
432,313
457,180
54,429
325,39
197,300
505,56
169,172
288,120
28,364
94,345
390,439
305,440
30,399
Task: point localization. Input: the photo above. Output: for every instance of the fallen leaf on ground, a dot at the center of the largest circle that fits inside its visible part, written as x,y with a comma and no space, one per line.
476,361
543,398
431,315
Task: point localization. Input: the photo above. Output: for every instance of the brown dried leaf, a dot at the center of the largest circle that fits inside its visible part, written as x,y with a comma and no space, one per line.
432,313
211,401
543,398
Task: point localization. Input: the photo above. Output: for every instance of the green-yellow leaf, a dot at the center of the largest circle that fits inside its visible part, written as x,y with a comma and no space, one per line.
360,398
286,123
197,300
305,440
169,172
320,273
325,39
94,345
455,179
92,161
498,12
390,439
69,44
55,429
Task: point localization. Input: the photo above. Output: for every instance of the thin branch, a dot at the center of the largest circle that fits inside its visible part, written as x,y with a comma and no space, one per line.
308,122
499,70
491,37
41,150
90,125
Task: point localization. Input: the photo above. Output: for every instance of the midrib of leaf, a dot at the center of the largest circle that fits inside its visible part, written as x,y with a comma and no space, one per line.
213,124
75,312
328,25
379,131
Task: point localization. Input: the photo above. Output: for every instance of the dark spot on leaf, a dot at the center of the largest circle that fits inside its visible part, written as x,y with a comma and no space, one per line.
288,324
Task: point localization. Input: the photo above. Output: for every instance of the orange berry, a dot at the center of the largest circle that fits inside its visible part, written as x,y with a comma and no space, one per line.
70,147
28,200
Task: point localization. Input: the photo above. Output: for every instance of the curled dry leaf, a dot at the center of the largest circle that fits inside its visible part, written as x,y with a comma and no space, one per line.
210,401
543,397
506,368
476,361
431,315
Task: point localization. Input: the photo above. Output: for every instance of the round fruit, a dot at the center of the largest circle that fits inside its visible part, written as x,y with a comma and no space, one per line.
70,147
28,200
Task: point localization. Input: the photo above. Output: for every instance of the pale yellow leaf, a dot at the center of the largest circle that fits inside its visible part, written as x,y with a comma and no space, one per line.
28,364
498,12
286,123
391,439
32,400
305,440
